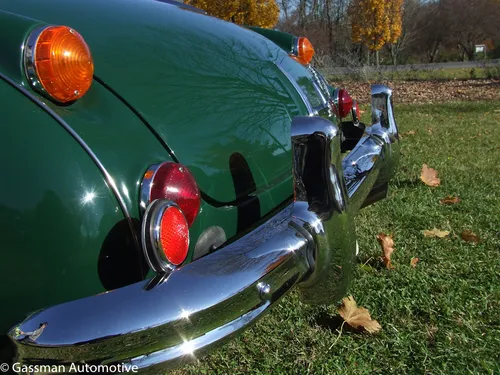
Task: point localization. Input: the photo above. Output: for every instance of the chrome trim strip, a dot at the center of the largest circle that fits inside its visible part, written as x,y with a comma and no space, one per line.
321,88
302,94
109,179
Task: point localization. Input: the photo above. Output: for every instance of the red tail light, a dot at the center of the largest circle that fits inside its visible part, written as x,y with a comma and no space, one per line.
344,103
165,236
174,235
173,182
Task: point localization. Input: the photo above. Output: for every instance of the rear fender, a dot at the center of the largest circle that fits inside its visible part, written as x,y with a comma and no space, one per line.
57,212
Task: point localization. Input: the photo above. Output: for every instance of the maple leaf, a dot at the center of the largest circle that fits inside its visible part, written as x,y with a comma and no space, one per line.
387,244
449,200
414,261
429,176
470,236
435,233
357,317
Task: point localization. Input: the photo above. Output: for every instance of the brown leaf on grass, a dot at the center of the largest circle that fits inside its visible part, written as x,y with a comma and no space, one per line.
432,91
410,132
357,317
429,176
435,233
387,244
470,236
414,261
449,200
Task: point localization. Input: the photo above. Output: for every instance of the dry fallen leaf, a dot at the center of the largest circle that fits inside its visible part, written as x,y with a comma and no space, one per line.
435,233
387,244
470,236
429,176
432,91
410,132
449,200
414,261
357,317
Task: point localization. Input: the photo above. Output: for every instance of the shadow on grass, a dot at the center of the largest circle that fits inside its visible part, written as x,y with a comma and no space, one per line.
334,323
326,321
400,184
370,264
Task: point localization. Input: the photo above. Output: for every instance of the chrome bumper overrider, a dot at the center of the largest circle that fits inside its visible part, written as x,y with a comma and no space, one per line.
158,323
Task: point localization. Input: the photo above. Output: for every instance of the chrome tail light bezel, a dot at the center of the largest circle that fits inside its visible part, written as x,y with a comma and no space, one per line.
146,185
150,236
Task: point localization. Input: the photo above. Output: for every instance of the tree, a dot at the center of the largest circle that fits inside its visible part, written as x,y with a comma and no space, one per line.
370,23
261,13
408,30
433,31
471,22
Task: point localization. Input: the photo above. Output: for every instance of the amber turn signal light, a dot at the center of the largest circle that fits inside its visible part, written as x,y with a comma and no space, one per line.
58,63
305,51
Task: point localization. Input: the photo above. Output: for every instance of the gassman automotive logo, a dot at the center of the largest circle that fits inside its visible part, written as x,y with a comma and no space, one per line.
72,368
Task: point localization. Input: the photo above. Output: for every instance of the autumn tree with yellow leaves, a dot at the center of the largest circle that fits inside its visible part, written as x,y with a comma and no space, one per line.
376,22
261,13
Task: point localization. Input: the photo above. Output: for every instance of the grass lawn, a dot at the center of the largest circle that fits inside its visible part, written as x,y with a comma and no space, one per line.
441,317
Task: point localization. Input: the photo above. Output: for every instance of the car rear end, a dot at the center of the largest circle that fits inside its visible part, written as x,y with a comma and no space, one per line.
244,193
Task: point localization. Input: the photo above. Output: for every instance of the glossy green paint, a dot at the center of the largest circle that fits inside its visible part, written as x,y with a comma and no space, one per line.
55,211
57,184
189,74
209,94
284,40
118,138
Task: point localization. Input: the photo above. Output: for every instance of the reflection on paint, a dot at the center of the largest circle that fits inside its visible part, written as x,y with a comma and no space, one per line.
88,197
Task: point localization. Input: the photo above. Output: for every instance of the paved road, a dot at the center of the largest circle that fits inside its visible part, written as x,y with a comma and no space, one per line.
389,68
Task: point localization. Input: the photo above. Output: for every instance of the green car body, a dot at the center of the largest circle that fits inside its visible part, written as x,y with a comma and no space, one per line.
155,64
170,84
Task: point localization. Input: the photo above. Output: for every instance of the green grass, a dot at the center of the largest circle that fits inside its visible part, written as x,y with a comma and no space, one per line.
489,72
441,317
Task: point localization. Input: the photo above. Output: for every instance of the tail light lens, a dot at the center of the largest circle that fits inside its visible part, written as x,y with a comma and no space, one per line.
344,103
165,235
58,63
304,51
174,182
174,235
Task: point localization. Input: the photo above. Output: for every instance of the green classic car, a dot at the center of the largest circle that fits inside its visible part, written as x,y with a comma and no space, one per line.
167,178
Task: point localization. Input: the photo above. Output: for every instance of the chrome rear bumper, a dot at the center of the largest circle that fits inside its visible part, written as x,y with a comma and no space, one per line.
158,323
